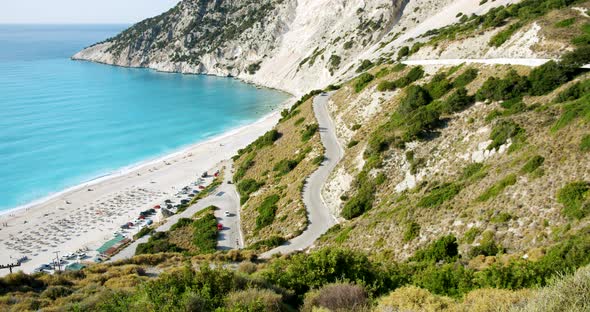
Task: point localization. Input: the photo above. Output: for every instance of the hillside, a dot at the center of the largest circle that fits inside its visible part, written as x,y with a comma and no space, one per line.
462,187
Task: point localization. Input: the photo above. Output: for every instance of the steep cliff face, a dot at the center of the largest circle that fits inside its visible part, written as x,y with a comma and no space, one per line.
278,43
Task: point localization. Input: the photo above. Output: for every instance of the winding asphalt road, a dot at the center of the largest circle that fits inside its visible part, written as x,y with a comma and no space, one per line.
320,218
226,198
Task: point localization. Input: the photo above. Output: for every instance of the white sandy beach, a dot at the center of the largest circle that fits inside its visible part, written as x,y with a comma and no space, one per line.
98,208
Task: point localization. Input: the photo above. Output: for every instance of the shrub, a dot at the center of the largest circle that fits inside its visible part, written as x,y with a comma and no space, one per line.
157,243
573,92
457,101
448,279
416,97
502,131
532,164
205,233
565,23
572,61
365,64
247,187
497,188
495,89
574,197
309,131
337,297
403,52
473,171
415,74
465,78
285,166
585,144
362,81
573,111
268,243
438,86
443,249
503,36
439,195
547,77
54,292
502,217
267,211
143,232
362,200
247,267
384,86
412,231
254,300
253,68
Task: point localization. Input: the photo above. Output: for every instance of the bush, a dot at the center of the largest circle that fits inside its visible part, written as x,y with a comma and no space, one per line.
362,200
384,86
443,249
497,188
337,297
502,131
438,86
473,171
448,279
269,243
533,163
574,197
54,292
457,101
565,23
157,243
503,36
547,77
495,89
352,144
365,64
574,92
247,267
415,74
403,52
205,233
254,300
143,232
416,97
362,81
247,187
439,195
309,131
412,231
285,166
465,78
267,211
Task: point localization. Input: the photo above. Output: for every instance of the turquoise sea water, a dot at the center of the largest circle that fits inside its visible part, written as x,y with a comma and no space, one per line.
64,122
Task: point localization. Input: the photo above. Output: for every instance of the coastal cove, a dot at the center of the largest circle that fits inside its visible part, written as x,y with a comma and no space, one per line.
66,123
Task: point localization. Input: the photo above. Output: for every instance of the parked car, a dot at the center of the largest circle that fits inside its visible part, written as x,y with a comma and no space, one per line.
227,214
219,226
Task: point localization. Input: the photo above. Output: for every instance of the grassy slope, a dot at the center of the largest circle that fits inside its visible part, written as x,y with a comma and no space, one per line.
536,218
291,216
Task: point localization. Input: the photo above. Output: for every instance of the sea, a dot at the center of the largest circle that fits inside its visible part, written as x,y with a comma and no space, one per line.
65,122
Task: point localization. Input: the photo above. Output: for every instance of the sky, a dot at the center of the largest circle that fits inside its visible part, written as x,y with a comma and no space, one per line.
80,11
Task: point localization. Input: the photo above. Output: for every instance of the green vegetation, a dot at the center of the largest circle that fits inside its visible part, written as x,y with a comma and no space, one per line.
575,199
585,144
143,232
574,92
247,187
438,86
268,243
503,36
495,89
309,132
205,232
440,194
285,166
465,78
502,217
204,235
572,111
533,164
412,231
362,201
474,171
365,65
497,188
403,52
266,139
565,23
253,68
362,81
444,249
267,211
287,114
502,131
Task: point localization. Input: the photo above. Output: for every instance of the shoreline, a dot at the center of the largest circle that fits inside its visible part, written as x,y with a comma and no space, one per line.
142,164
85,216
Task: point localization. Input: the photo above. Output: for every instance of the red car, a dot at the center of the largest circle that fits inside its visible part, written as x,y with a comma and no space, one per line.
219,226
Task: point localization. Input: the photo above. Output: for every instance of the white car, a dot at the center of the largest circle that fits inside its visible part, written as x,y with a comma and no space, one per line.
227,214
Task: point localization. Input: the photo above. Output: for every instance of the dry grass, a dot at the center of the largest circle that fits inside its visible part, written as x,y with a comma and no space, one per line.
291,216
